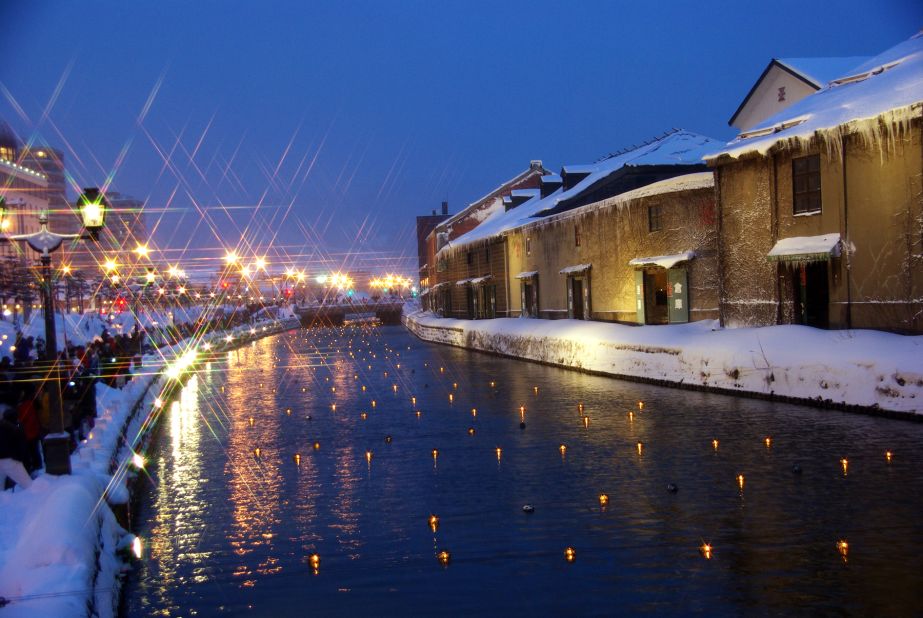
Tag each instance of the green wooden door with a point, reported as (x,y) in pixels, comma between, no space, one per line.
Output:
(639,295)
(678,295)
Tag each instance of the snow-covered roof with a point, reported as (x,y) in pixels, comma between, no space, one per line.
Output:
(480,280)
(819,71)
(524,192)
(527,274)
(664,261)
(577,268)
(534,168)
(547,178)
(890,82)
(806,248)
(678,148)
(440,285)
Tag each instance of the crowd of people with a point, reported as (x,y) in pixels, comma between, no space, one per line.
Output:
(110,359)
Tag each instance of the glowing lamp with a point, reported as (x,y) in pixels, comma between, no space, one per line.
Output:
(888,456)
(444,557)
(435,453)
(768,441)
(288,411)
(843,548)
(640,405)
(492,384)
(368,457)
(136,547)
(471,431)
(257,452)
(374,403)
(297,459)
(317,446)
(394,387)
(570,554)
(640,447)
(562,449)
(714,444)
(363,416)
(845,465)
(706,550)
(158,403)
(314,561)
(740,481)
(586,422)
(137,460)
(603,499)
(455,385)
(499,453)
(250,421)
(580,407)
(451,398)
(442,370)
(631,417)
(418,414)
(413,401)
(535,389)
(92,206)
(434,522)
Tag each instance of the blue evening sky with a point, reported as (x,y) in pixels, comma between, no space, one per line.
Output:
(344,120)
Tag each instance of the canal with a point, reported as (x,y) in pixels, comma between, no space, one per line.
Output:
(363,433)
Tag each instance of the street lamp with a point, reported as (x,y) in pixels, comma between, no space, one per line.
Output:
(92,206)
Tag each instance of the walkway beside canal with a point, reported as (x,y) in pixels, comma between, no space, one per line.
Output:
(59,539)
(870,371)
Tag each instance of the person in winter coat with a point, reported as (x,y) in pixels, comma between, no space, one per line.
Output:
(28,417)
(12,451)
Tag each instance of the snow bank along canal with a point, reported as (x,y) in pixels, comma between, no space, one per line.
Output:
(299,474)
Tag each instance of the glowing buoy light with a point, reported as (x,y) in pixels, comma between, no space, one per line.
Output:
(413,401)
(297,459)
(333,407)
(580,407)
(603,499)
(845,464)
(333,389)
(418,414)
(136,547)
(387,439)
(455,385)
(368,456)
(288,411)
(640,405)
(492,384)
(740,481)
(435,453)
(843,548)
(158,403)
(499,453)
(314,561)
(706,550)
(442,370)
(640,447)
(451,398)
(444,557)
(768,441)
(535,389)
(474,411)
(563,449)
(303,389)
(631,417)
(570,554)
(471,431)
(374,403)
(888,456)
(363,416)
(522,411)
(586,422)
(257,452)
(714,444)
(434,522)
(317,446)
(363,388)
(394,387)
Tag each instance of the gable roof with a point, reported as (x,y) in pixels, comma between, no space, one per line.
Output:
(534,169)
(815,72)
(889,82)
(677,148)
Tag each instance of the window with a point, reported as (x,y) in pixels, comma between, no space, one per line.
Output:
(806,184)
(576,235)
(654,218)
(470,258)
(487,254)
(528,246)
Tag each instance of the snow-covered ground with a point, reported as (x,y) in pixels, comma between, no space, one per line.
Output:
(864,368)
(58,538)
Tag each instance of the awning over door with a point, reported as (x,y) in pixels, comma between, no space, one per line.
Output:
(527,274)
(573,270)
(806,249)
(440,285)
(474,280)
(664,261)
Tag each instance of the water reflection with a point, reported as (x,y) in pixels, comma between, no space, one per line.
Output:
(668,520)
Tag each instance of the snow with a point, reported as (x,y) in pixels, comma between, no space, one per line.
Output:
(822,70)
(480,280)
(58,538)
(889,85)
(854,368)
(664,261)
(578,268)
(806,248)
(526,275)
(678,148)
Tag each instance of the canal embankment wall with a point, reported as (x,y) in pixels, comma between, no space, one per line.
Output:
(61,544)
(859,370)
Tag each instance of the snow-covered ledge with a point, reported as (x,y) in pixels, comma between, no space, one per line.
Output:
(863,369)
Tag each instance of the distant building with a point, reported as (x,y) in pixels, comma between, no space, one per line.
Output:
(786,81)
(425,225)
(62,218)
(125,230)
(25,190)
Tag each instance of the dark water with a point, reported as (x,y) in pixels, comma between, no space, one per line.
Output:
(228,533)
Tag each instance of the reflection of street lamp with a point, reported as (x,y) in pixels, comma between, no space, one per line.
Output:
(92,206)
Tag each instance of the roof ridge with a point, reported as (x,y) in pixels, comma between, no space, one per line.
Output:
(627,149)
